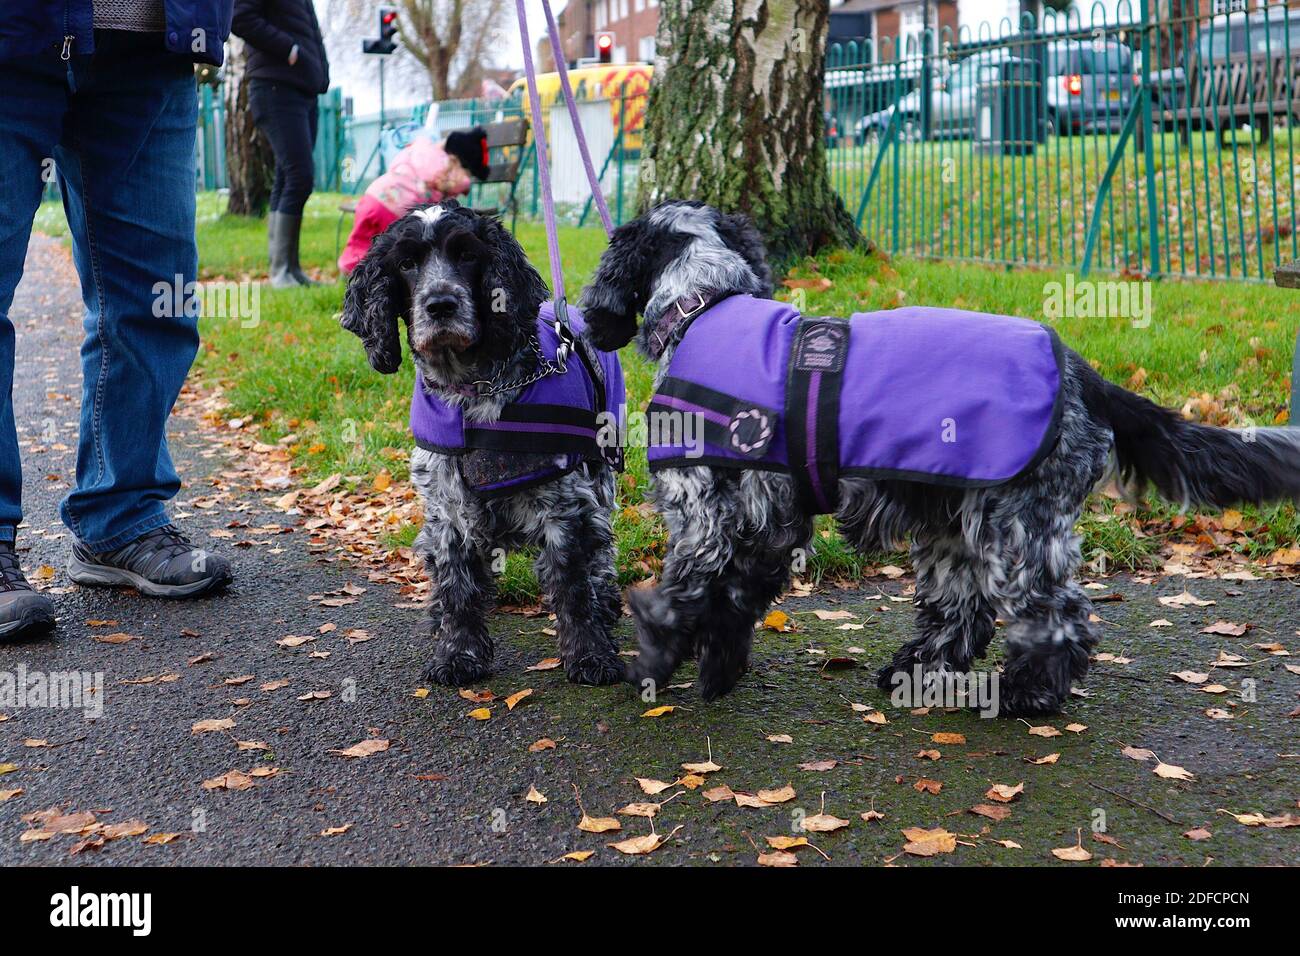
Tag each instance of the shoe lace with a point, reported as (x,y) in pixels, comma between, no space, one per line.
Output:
(11,572)
(167,541)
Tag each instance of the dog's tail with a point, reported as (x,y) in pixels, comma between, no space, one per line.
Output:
(1190,463)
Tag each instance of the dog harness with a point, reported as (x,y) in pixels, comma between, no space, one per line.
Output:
(547,432)
(940,396)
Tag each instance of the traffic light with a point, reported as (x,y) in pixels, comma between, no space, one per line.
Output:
(605,47)
(387,31)
(387,23)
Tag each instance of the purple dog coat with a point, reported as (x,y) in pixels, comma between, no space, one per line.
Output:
(547,432)
(941,396)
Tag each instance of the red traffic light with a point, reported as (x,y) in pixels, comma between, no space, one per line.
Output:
(389,17)
(605,47)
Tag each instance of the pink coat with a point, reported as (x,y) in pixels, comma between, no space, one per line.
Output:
(421,173)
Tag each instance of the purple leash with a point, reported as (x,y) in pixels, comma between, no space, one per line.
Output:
(579,133)
(562,329)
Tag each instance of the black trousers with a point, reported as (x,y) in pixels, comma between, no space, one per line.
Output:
(287,117)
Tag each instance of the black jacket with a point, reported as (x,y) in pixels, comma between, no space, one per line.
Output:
(271,28)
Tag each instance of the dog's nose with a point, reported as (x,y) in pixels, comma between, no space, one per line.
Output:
(440,305)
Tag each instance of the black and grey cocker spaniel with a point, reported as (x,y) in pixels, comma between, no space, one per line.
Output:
(980,436)
(505,428)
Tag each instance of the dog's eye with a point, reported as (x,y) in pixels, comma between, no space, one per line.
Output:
(466,255)
(407,265)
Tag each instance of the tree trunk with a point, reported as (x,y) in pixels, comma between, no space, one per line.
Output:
(250,164)
(736,118)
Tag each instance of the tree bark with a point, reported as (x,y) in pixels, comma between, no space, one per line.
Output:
(250,165)
(736,118)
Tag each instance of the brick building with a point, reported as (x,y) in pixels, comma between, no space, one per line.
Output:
(633,23)
(877,19)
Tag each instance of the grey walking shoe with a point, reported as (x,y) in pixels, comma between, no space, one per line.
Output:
(162,563)
(23,611)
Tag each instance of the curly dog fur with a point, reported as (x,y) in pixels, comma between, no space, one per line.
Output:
(469,299)
(1008,551)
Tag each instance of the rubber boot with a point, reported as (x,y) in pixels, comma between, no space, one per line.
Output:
(281,275)
(290,228)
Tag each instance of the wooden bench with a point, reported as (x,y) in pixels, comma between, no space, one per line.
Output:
(506,141)
(1236,89)
(1288,277)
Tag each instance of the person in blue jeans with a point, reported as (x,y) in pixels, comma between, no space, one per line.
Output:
(106,89)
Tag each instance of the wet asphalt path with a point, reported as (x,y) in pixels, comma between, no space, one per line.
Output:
(450,789)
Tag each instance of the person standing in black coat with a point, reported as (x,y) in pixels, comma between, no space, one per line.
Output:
(287,70)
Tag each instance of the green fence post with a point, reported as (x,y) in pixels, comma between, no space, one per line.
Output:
(1148,135)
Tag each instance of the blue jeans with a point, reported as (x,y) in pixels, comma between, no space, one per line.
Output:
(120,125)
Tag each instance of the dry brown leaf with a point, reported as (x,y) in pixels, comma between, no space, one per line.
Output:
(363,749)
(778,795)
(1226,628)
(926,785)
(822,823)
(719,793)
(545,743)
(1004,793)
(233,780)
(778,621)
(659,711)
(1073,854)
(545,664)
(1171,772)
(922,842)
(598,824)
(1186,599)
(992,811)
(1050,758)
(947,738)
(479,713)
(639,846)
(819,766)
(205,726)
(534,795)
(336,831)
(652,787)
(516,697)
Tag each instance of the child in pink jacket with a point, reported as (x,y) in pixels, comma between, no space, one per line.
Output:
(425,171)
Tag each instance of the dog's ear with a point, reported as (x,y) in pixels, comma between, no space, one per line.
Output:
(509,279)
(619,290)
(376,298)
(738,231)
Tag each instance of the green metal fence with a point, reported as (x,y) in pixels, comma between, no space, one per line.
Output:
(1132,145)
(331,139)
(1129,143)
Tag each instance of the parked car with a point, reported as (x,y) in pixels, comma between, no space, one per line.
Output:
(952,103)
(1089,85)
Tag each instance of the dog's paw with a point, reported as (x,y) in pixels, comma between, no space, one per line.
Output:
(457,669)
(596,669)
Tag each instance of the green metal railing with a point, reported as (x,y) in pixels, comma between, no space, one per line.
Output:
(329,155)
(1134,145)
